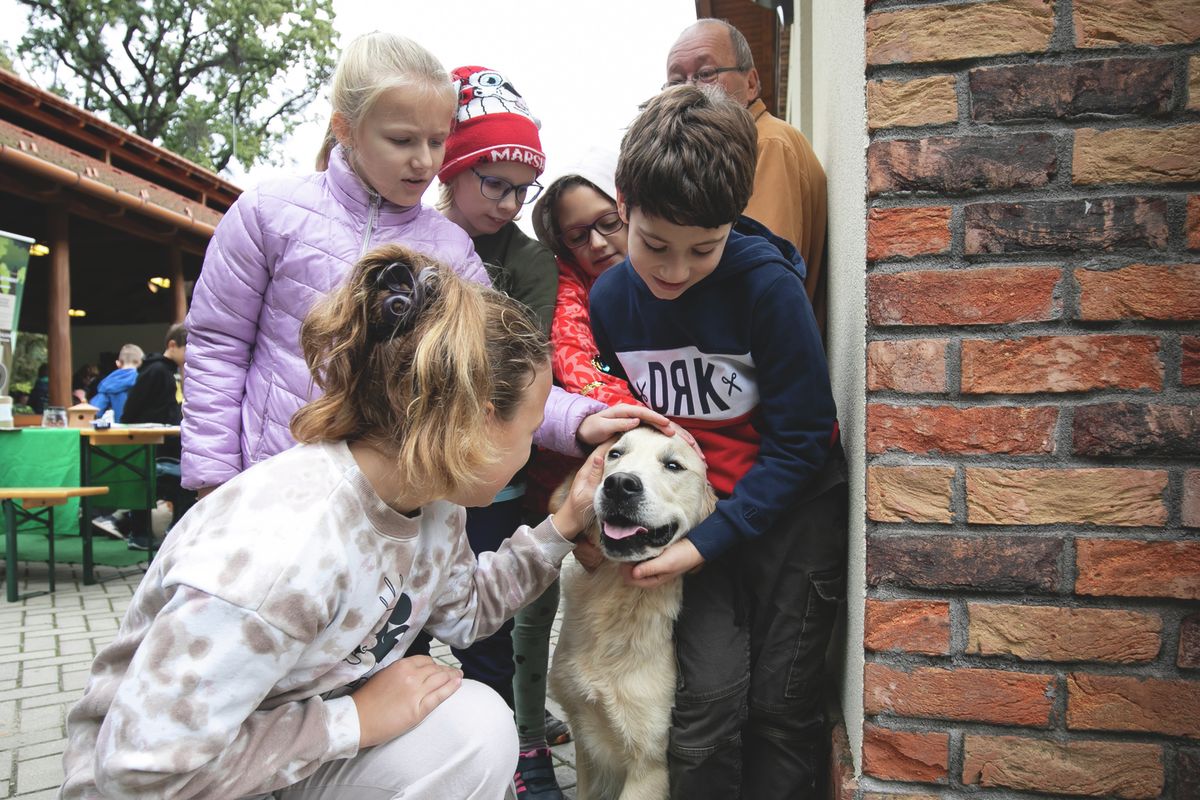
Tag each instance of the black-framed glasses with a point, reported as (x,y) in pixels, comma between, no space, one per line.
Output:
(497,189)
(702,75)
(579,235)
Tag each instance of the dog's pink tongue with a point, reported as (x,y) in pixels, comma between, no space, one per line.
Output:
(622,531)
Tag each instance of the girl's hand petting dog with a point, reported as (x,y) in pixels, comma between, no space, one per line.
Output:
(576,511)
(400,696)
(604,425)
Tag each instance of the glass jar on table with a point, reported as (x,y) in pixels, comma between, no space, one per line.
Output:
(54,417)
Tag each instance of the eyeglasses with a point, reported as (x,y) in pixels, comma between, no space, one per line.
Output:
(497,189)
(702,75)
(579,235)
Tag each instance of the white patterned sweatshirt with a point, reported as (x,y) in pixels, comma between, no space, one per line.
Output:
(269,602)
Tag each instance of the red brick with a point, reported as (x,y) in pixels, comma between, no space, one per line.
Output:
(953,32)
(908,626)
(1142,291)
(1051,633)
(1008,430)
(1126,430)
(956,164)
(892,755)
(1191,499)
(1123,703)
(963,297)
(1077,768)
(923,101)
(843,785)
(1189,642)
(1131,497)
(1026,564)
(1112,87)
(913,366)
(1193,222)
(1129,568)
(912,494)
(907,232)
(1107,23)
(1108,223)
(1189,366)
(979,695)
(1060,364)
(1136,155)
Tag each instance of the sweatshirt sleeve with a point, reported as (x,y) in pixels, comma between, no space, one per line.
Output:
(483,591)
(536,284)
(575,350)
(797,420)
(186,719)
(222,328)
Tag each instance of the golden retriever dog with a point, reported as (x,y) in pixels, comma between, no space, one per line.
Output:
(614,667)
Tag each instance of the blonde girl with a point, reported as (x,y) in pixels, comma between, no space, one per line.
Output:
(290,241)
(263,651)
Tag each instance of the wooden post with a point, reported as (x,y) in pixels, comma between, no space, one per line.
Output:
(178,295)
(58,323)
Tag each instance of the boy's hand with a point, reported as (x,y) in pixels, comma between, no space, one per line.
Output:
(400,696)
(603,425)
(576,511)
(588,555)
(679,558)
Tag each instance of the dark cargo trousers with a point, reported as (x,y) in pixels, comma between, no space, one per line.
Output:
(750,644)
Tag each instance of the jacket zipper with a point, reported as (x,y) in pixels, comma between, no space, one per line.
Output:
(372,212)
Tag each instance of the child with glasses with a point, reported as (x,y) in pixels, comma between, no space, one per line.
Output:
(493,160)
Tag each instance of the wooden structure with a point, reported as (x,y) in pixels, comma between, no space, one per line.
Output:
(114,210)
(761,26)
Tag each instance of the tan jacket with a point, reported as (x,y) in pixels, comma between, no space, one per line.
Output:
(789,196)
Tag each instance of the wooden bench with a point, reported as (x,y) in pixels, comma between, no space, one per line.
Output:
(44,498)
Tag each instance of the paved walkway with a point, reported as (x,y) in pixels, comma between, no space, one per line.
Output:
(46,648)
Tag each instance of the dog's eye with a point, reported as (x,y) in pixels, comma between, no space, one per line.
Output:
(673,466)
(614,453)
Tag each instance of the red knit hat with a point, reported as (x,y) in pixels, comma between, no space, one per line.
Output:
(494,124)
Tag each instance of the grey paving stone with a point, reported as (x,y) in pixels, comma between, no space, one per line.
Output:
(39,773)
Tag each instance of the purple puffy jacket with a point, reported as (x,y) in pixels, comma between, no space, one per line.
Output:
(278,249)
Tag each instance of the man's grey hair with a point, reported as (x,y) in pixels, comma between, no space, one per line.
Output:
(741,48)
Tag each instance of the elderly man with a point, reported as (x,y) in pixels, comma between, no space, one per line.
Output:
(789,184)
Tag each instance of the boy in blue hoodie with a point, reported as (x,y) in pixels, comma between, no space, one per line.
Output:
(113,390)
(709,323)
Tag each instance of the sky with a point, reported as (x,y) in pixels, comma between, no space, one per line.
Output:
(583,68)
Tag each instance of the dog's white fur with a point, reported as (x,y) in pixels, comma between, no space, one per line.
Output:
(614,667)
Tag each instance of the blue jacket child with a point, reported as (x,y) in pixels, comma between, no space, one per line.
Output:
(114,389)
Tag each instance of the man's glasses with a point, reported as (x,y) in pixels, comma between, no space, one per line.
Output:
(702,75)
(579,235)
(497,189)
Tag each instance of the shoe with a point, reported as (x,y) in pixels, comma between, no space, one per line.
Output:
(557,731)
(140,541)
(534,779)
(114,526)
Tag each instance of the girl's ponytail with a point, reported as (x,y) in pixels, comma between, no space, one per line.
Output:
(422,382)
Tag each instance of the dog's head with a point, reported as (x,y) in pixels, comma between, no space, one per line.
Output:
(655,490)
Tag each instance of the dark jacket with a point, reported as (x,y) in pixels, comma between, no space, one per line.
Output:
(153,396)
(736,360)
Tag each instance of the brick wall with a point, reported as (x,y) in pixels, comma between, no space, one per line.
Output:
(1033,370)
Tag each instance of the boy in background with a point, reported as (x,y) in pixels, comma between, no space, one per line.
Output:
(711,326)
(114,388)
(156,396)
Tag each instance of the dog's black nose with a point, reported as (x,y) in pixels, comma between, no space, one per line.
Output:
(622,484)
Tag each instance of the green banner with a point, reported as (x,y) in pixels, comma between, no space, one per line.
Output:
(14,259)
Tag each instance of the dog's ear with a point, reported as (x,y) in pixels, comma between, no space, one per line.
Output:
(559,495)
(709,503)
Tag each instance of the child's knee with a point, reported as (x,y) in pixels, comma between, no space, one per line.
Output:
(486,733)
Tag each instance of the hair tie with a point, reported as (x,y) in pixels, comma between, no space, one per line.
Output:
(406,297)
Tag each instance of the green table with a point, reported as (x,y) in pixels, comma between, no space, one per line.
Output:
(52,457)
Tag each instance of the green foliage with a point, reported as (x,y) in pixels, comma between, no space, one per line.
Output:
(6,57)
(32,350)
(212,80)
